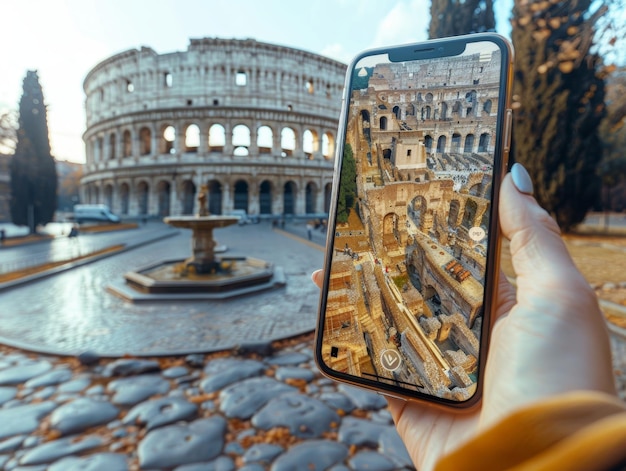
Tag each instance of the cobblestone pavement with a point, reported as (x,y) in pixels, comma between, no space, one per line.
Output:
(72,312)
(265,408)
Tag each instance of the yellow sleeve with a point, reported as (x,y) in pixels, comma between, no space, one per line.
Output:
(582,431)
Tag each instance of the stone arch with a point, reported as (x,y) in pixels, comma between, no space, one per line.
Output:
(453,214)
(108,195)
(192,138)
(444,111)
(215,197)
(328,145)
(189,196)
(112,142)
(310,143)
(328,191)
(396,112)
(469,143)
(163,198)
(265,139)
(124,197)
(167,139)
(311,198)
(410,109)
(469,213)
(265,197)
(483,142)
(143,197)
(441,144)
(487,107)
(429,97)
(382,123)
(290,196)
(241,195)
(426,110)
(241,140)
(428,142)
(287,141)
(127,147)
(145,141)
(217,138)
(390,227)
(417,209)
(456,143)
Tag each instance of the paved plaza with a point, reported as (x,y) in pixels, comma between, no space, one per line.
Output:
(73,312)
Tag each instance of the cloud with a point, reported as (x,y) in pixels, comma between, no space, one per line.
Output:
(407,22)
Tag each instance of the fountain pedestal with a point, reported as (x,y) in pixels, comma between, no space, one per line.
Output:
(203,275)
(203,260)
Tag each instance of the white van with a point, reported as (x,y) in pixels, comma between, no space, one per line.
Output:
(94,212)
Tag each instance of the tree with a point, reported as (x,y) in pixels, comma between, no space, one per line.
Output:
(347,185)
(612,168)
(7,132)
(456,17)
(559,103)
(32,167)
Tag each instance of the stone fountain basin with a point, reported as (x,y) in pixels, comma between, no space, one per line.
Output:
(201,222)
(162,277)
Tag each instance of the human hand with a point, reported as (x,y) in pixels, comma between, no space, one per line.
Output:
(548,338)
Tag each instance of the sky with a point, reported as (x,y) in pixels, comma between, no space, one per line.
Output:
(64,39)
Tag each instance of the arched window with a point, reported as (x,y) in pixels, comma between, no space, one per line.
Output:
(241,195)
(127,149)
(487,107)
(428,143)
(217,138)
(168,136)
(192,138)
(145,141)
(328,145)
(444,111)
(112,146)
(441,144)
(383,123)
(311,197)
(215,197)
(265,197)
(142,197)
(289,198)
(469,143)
(483,142)
(241,140)
(309,143)
(287,141)
(456,142)
(265,139)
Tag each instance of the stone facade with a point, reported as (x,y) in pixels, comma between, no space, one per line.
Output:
(255,122)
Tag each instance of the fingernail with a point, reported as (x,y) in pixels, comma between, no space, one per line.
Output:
(521,179)
(315,275)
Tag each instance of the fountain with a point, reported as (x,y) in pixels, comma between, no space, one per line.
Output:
(204,275)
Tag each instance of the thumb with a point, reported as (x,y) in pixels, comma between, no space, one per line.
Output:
(536,245)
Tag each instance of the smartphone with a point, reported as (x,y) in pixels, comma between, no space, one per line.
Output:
(413,251)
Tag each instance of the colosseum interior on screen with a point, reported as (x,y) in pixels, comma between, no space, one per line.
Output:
(255,122)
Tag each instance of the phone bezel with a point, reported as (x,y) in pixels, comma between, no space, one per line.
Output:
(421,51)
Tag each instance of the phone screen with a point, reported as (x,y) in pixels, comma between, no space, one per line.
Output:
(409,262)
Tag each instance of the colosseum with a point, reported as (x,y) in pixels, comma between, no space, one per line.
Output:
(254,122)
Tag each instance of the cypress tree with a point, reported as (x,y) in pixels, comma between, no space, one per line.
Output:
(32,167)
(456,17)
(559,103)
